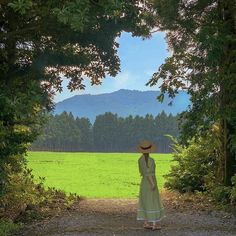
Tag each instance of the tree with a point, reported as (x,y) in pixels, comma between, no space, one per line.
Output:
(41,41)
(161,131)
(105,132)
(201,36)
(61,133)
(86,135)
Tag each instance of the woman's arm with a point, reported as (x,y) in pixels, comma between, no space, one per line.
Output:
(152,181)
(140,167)
(151,177)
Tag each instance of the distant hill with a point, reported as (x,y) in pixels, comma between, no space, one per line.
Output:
(122,102)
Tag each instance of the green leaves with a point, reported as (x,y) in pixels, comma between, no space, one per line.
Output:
(160,97)
(41,41)
(82,14)
(192,165)
(75,13)
(200,37)
(21,6)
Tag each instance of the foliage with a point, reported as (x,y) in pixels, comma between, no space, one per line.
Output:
(21,116)
(233,190)
(20,192)
(198,167)
(61,133)
(24,196)
(7,227)
(109,133)
(74,39)
(43,42)
(201,37)
(220,193)
(192,165)
(95,175)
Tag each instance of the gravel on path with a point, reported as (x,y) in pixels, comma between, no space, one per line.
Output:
(117,217)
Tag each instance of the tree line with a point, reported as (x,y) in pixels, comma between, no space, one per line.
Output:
(109,133)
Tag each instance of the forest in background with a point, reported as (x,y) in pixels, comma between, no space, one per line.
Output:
(109,133)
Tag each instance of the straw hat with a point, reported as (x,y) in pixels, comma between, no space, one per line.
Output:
(146,147)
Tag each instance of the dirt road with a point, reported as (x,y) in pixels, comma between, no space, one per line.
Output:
(115,217)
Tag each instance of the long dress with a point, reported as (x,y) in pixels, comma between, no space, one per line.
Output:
(150,207)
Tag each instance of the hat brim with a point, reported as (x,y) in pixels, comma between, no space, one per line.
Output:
(151,149)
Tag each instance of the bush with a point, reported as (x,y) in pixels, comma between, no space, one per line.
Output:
(20,191)
(24,197)
(192,165)
(221,194)
(198,167)
(7,227)
(233,191)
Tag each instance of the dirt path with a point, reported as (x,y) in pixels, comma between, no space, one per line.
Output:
(118,217)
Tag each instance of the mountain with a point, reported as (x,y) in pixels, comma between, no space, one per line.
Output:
(122,102)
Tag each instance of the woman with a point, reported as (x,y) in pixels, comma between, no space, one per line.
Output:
(150,208)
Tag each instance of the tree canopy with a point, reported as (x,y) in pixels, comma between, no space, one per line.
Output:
(201,37)
(42,41)
(75,39)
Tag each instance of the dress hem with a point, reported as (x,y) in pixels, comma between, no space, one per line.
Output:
(152,221)
(152,211)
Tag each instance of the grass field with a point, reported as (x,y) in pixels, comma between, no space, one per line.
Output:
(95,175)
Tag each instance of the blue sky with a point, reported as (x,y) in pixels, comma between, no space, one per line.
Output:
(139,59)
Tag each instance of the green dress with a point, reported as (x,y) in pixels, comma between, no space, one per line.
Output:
(150,207)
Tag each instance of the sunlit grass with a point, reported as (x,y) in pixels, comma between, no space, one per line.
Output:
(95,175)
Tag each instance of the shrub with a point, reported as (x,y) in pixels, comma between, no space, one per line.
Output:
(24,197)
(233,191)
(7,227)
(198,167)
(192,165)
(221,194)
(20,191)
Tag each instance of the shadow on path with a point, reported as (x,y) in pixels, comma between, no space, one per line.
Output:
(115,217)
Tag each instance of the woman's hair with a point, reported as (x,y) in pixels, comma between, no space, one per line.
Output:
(146,160)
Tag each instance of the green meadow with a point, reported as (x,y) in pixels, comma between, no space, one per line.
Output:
(95,175)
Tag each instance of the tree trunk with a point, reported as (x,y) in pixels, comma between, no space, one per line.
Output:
(226,16)
(229,155)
